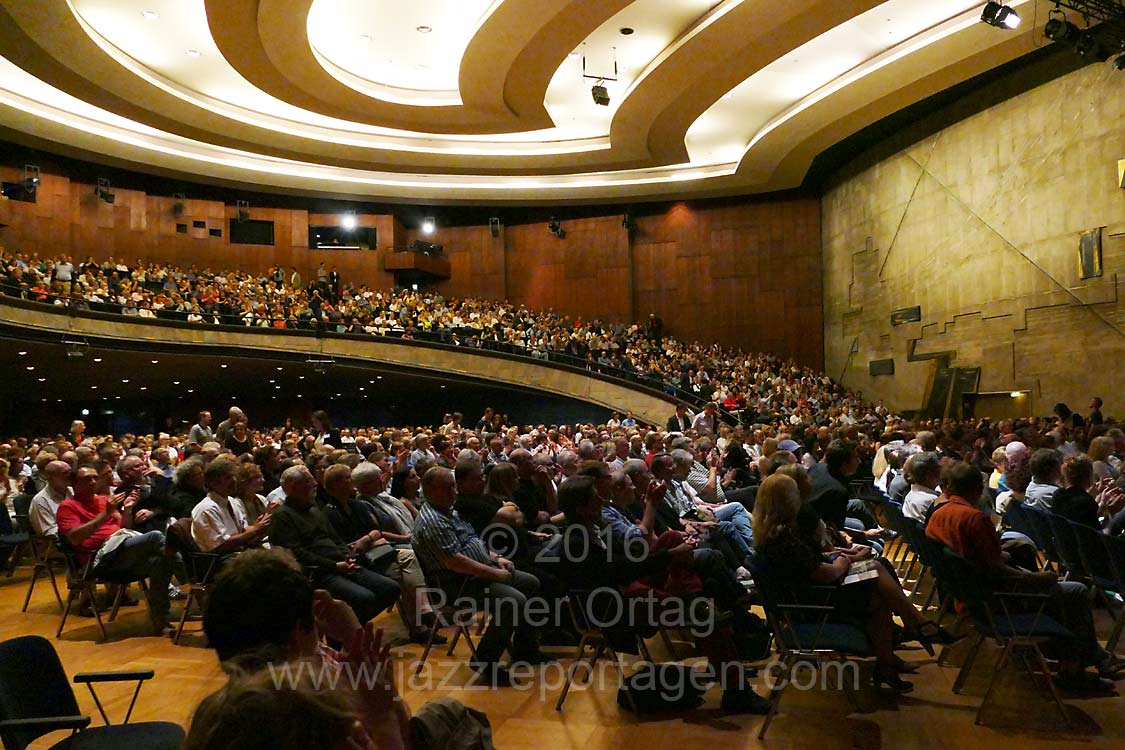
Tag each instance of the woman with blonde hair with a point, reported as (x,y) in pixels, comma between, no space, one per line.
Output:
(249,484)
(795,562)
(1101,448)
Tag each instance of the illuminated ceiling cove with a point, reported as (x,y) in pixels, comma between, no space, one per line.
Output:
(483,100)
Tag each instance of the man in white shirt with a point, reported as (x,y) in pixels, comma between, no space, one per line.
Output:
(218,522)
(924,472)
(706,422)
(46,502)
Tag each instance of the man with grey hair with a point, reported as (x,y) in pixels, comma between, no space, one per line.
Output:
(687,498)
(923,470)
(567,461)
(301,527)
(46,502)
(587,451)
(226,427)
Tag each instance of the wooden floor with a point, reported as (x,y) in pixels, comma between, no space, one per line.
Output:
(1019,715)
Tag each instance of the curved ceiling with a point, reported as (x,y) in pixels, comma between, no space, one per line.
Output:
(482,100)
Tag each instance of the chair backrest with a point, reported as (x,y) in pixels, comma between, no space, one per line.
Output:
(21,506)
(1066,543)
(1097,558)
(1015,518)
(963,580)
(896,521)
(1044,536)
(179,536)
(32,685)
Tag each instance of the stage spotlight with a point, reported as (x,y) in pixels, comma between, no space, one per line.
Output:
(1089,46)
(600,94)
(428,225)
(1058,29)
(555,228)
(348,221)
(1000,16)
(103,192)
(494,226)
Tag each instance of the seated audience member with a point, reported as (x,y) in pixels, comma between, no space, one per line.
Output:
(219,523)
(679,512)
(45,504)
(393,517)
(88,521)
(405,484)
(495,519)
(924,472)
(248,485)
(1075,502)
(959,525)
(535,492)
(586,562)
(832,499)
(999,461)
(455,559)
(354,522)
(1046,465)
(732,513)
(1101,453)
(265,612)
(186,491)
(300,526)
(795,563)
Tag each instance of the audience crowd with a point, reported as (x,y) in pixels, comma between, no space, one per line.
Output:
(319,529)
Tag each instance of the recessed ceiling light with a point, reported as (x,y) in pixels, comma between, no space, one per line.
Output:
(30,368)
(273,381)
(42,380)
(125,380)
(44,399)
(93,388)
(223,366)
(361,387)
(144,387)
(380,377)
(280,369)
(117,397)
(97,359)
(23,354)
(175,382)
(156,361)
(423,29)
(300,377)
(150,15)
(191,390)
(194,53)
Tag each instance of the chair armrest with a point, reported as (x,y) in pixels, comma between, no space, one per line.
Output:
(1020,595)
(808,607)
(46,723)
(139,674)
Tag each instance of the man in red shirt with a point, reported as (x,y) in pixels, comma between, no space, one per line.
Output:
(959,525)
(87,520)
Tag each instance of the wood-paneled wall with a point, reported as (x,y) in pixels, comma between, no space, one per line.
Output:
(744,273)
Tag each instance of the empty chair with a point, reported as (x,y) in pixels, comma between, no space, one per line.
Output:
(35,699)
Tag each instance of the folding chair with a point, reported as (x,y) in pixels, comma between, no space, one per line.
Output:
(46,558)
(598,641)
(80,580)
(1066,544)
(36,699)
(995,616)
(449,616)
(804,633)
(11,538)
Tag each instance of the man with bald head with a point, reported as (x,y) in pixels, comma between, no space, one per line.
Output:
(46,502)
(226,427)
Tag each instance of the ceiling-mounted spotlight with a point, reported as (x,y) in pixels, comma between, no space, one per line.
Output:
(600,94)
(429,224)
(1089,46)
(1058,29)
(76,348)
(1000,16)
(555,228)
(494,226)
(349,221)
(103,192)
(179,203)
(242,210)
(30,178)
